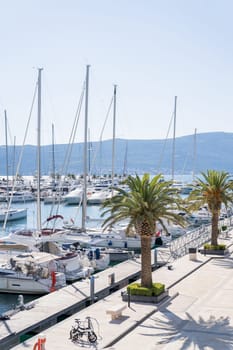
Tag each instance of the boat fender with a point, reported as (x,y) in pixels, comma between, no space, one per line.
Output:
(53,277)
(90,254)
(97,253)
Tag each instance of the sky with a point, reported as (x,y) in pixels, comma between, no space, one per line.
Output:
(153,50)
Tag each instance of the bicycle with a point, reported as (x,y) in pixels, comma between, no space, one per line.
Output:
(82,328)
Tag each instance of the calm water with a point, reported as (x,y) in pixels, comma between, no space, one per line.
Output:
(69,212)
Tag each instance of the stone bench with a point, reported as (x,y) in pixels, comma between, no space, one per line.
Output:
(116,311)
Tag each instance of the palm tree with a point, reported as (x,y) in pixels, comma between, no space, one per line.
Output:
(213,189)
(143,204)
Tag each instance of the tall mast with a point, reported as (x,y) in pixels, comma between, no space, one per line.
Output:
(39,150)
(114,135)
(194,152)
(53,157)
(13,162)
(7,175)
(89,155)
(84,201)
(6,138)
(125,160)
(174,141)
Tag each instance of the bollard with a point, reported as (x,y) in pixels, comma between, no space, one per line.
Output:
(92,289)
(111,278)
(40,344)
(155,257)
(128,294)
(20,305)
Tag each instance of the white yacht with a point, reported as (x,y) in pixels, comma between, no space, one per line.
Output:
(17,196)
(12,214)
(98,197)
(30,273)
(74,264)
(113,239)
(74,196)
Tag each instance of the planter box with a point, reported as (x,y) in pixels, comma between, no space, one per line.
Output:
(143,298)
(220,252)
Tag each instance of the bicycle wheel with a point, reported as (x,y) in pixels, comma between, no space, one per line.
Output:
(74,335)
(92,337)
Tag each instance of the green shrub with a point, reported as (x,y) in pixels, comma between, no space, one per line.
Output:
(208,246)
(224,228)
(136,289)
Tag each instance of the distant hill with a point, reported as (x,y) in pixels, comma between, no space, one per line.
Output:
(212,151)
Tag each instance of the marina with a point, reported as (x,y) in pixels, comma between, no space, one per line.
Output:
(116,182)
(75,213)
(61,231)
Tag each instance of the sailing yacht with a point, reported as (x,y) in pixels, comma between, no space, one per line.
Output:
(7,213)
(12,214)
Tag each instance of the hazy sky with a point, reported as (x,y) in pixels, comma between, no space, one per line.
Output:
(152,49)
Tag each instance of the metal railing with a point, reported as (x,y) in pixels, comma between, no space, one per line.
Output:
(193,239)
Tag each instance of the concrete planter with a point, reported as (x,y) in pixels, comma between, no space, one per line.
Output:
(220,252)
(145,299)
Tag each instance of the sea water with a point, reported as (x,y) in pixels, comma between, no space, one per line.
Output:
(69,213)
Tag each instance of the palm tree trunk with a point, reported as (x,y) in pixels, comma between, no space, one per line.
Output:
(214,236)
(146,272)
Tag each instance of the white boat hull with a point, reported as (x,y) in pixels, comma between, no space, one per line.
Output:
(20,284)
(128,243)
(13,214)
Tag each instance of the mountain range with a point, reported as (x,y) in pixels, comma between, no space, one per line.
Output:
(186,155)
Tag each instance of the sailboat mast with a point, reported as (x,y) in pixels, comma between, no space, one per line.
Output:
(7,165)
(53,158)
(114,134)
(39,150)
(194,152)
(174,141)
(13,162)
(84,201)
(125,160)
(89,155)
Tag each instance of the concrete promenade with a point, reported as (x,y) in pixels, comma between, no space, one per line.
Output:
(199,314)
